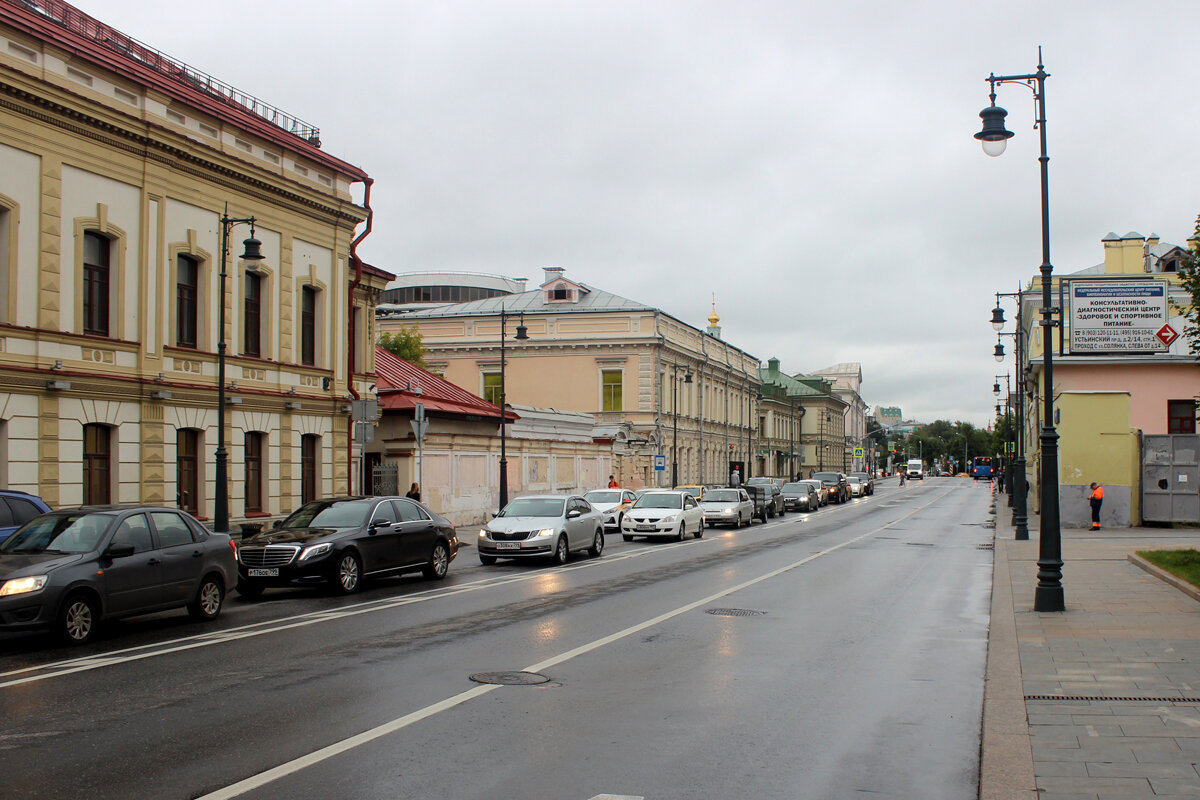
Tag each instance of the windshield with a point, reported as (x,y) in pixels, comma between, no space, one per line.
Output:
(722,496)
(534,507)
(830,477)
(853,479)
(663,500)
(331,514)
(59,533)
(603,496)
(757,481)
(795,488)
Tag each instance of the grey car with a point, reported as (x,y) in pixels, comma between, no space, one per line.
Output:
(727,507)
(801,495)
(69,570)
(546,525)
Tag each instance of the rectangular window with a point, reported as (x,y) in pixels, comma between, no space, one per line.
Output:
(610,390)
(254,473)
(187,476)
(1181,416)
(252,316)
(97,465)
(491,387)
(186,282)
(308,326)
(95,283)
(310,445)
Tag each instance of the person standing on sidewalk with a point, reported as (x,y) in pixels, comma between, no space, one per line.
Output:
(1096,500)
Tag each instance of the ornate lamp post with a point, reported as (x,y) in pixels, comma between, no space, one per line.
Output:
(687,378)
(521,335)
(253,254)
(1049,594)
(1019,493)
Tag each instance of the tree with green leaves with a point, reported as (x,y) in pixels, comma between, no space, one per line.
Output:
(1189,276)
(404,343)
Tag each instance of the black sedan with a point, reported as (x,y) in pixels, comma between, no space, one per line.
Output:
(344,540)
(67,570)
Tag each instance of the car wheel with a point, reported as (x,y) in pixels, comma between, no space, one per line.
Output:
(487,561)
(439,563)
(700,529)
(597,544)
(78,619)
(682,531)
(348,576)
(560,551)
(250,591)
(627,537)
(209,597)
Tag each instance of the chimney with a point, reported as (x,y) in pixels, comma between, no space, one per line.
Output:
(553,274)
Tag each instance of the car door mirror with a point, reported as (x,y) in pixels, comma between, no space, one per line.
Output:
(574,513)
(380,523)
(277,524)
(120,550)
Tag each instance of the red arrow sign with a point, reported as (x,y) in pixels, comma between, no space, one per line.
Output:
(1166,334)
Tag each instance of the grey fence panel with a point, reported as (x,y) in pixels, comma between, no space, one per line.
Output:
(1170,474)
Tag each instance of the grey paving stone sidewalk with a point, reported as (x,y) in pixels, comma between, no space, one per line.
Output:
(1111,685)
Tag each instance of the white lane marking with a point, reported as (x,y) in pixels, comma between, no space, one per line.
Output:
(127,655)
(337,748)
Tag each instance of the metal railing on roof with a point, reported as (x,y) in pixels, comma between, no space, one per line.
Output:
(75,20)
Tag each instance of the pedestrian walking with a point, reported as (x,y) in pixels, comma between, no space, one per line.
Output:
(414,492)
(735,477)
(903,476)
(1096,500)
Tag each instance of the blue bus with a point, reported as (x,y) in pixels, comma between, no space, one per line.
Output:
(981,467)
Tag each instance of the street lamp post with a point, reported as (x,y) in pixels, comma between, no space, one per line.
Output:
(253,254)
(1020,490)
(687,378)
(521,335)
(1049,593)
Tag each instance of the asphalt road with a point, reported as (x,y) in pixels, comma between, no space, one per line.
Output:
(826,655)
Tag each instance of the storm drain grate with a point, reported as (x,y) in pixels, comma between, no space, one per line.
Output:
(1111,699)
(510,678)
(734,612)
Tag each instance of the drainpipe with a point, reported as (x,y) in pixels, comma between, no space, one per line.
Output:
(356,262)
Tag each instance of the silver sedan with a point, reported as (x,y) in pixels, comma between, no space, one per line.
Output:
(727,507)
(552,525)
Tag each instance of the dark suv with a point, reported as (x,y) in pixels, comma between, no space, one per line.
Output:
(835,482)
(17,508)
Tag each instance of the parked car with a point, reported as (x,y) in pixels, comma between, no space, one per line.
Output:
(17,508)
(694,489)
(664,513)
(70,570)
(866,478)
(776,505)
(343,541)
(835,482)
(821,489)
(801,496)
(727,507)
(553,525)
(856,486)
(612,504)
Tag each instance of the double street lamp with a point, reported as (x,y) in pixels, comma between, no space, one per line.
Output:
(687,378)
(1019,490)
(252,254)
(522,334)
(994,137)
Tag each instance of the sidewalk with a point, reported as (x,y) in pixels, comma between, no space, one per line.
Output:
(1101,701)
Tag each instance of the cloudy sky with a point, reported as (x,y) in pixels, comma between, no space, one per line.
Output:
(811,164)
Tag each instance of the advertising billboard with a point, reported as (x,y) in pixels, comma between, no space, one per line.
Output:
(1112,317)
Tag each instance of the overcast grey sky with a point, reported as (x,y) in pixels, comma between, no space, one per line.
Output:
(810,163)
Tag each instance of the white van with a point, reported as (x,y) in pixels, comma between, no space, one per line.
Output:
(915,470)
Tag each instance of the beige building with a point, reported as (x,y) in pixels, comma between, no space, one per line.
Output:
(847,382)
(800,424)
(118,163)
(624,362)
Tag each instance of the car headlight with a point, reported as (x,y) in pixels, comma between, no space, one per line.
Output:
(33,583)
(728,510)
(668,518)
(484,533)
(314,551)
(544,532)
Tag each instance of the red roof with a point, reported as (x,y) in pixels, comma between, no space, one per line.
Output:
(394,377)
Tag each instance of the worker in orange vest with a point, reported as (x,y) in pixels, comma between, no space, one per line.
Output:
(1096,499)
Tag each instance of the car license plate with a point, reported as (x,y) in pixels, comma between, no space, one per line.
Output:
(508,545)
(647,527)
(273,572)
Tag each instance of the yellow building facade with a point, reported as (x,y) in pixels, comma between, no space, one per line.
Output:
(116,166)
(655,385)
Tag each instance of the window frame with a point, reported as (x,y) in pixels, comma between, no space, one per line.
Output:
(492,392)
(612,394)
(183,459)
(308,325)
(1180,421)
(309,461)
(97,464)
(187,302)
(254,446)
(252,314)
(97,285)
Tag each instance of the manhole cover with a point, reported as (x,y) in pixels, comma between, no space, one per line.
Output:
(510,678)
(734,612)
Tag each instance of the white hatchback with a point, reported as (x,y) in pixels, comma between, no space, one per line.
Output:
(664,513)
